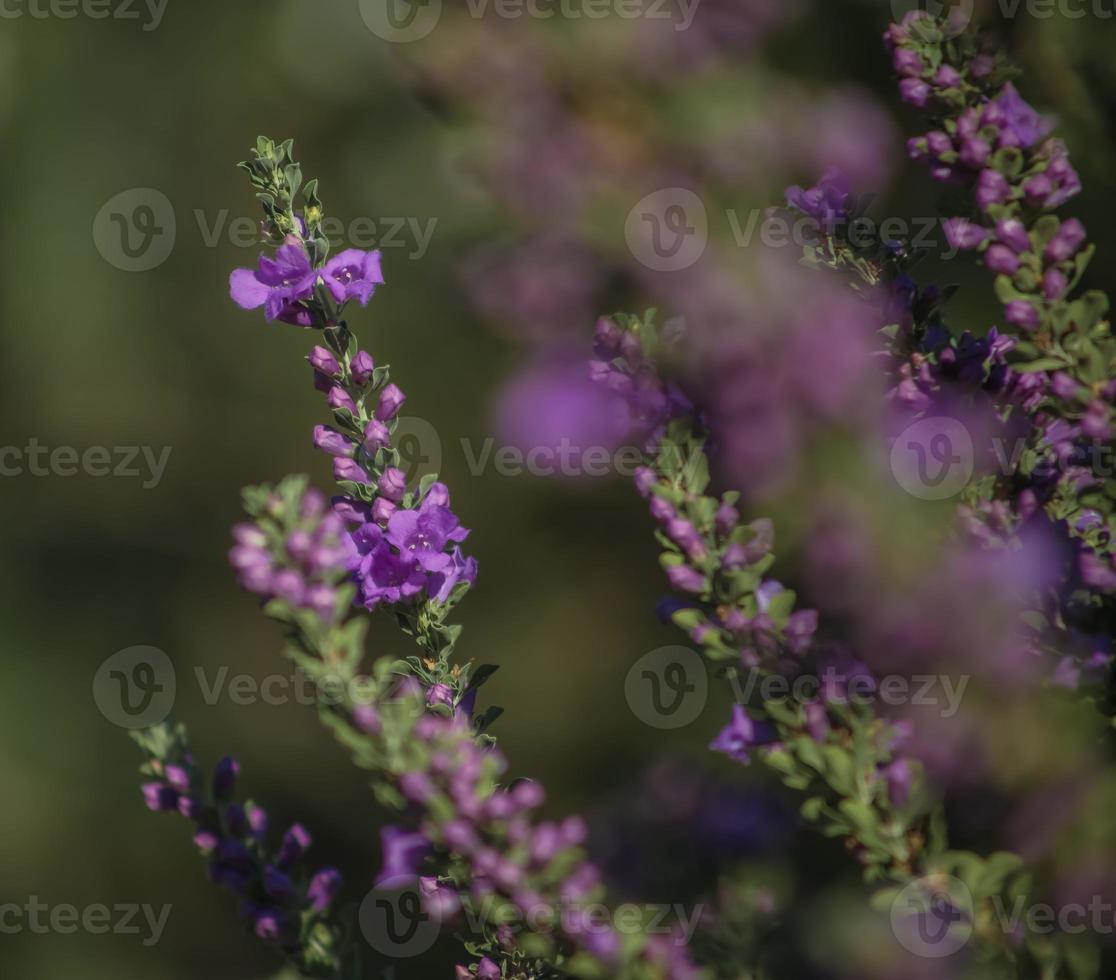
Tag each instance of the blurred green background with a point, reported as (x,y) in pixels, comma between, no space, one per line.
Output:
(95,356)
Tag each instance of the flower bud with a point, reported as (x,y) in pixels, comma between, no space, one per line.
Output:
(225,775)
(393,484)
(376,436)
(1002,260)
(1022,315)
(322,360)
(347,469)
(391,400)
(1054,284)
(330,441)
(338,398)
(362,367)
(382,510)
(323,889)
(1013,233)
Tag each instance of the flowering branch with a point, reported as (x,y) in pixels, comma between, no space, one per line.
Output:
(849,763)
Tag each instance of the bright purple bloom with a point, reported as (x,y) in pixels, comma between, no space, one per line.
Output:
(278,285)
(423,534)
(385,576)
(459,569)
(353,275)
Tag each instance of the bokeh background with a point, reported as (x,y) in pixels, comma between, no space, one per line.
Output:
(93,355)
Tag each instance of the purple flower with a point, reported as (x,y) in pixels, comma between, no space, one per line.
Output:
(974,152)
(422,534)
(915,92)
(403,852)
(322,360)
(391,400)
(278,885)
(353,275)
(376,436)
(1013,233)
(992,188)
(1023,315)
(1054,284)
(385,576)
(159,797)
(278,285)
(686,579)
(224,777)
(825,203)
(1065,244)
(964,235)
(1020,125)
(440,694)
(330,441)
(393,484)
(460,569)
(741,735)
(347,469)
(338,398)
(362,367)
(1002,260)
(294,845)
(907,62)
(323,889)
